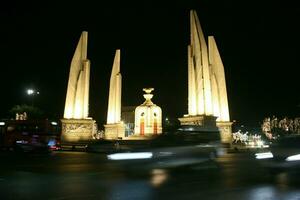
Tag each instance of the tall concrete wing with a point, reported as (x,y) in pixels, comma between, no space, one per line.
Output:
(76,106)
(76,125)
(86,89)
(207,95)
(196,68)
(220,102)
(199,56)
(114,101)
(192,101)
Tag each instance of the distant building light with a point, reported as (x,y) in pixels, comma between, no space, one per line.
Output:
(2,123)
(54,123)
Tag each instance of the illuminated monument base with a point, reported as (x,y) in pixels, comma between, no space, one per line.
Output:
(226,131)
(208,123)
(114,131)
(78,130)
(204,121)
(138,137)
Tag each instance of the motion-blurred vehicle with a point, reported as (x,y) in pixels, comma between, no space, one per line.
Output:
(283,154)
(30,135)
(182,148)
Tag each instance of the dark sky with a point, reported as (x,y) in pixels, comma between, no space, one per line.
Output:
(258,42)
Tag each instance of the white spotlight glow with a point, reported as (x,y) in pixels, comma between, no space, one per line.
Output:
(130,156)
(264,155)
(293,158)
(30,91)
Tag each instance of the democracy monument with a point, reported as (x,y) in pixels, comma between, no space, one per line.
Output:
(76,125)
(207,96)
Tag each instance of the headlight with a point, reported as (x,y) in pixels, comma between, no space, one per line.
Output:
(264,155)
(130,156)
(293,158)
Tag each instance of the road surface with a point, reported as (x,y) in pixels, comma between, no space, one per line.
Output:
(81,175)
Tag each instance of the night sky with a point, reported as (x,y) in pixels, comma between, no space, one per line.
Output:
(258,42)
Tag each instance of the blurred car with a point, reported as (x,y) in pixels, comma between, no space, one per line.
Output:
(172,150)
(283,154)
(54,144)
(34,144)
(31,145)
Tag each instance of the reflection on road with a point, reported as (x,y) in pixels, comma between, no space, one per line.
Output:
(159,176)
(66,175)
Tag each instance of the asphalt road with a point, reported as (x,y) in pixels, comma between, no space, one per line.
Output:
(80,175)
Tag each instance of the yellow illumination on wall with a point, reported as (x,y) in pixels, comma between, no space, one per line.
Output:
(76,106)
(115,87)
(148,116)
(206,76)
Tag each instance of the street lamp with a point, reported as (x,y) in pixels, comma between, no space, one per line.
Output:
(32,92)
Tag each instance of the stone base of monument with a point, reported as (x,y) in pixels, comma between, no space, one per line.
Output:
(226,131)
(78,130)
(114,131)
(205,121)
(141,137)
(208,123)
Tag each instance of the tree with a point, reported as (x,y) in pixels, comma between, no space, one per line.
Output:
(32,111)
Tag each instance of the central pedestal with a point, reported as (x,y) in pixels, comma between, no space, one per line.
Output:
(114,131)
(209,123)
(226,131)
(78,130)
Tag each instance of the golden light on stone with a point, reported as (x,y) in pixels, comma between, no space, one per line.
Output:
(115,128)
(207,95)
(148,116)
(76,125)
(219,92)
(77,100)
(207,87)
(159,176)
(115,86)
